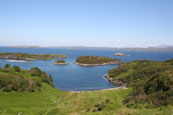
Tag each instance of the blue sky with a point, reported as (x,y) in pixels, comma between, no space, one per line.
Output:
(110,23)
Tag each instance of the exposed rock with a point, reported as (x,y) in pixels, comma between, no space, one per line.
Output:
(120,54)
(115,82)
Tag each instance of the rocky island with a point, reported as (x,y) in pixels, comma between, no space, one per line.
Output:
(30,57)
(96,61)
(120,54)
(60,62)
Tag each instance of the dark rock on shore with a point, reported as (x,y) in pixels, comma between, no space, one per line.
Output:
(115,82)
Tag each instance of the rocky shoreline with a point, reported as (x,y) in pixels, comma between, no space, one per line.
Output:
(110,63)
(120,54)
(30,57)
(115,82)
(60,63)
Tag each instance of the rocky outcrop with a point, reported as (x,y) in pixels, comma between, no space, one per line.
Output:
(120,54)
(115,82)
(60,63)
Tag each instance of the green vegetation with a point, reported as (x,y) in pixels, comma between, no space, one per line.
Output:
(7,66)
(16,79)
(152,82)
(41,98)
(60,62)
(97,60)
(51,101)
(25,56)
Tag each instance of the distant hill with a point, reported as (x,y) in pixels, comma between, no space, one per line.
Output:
(161,48)
(149,49)
(164,46)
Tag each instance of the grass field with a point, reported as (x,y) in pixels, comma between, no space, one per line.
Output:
(51,101)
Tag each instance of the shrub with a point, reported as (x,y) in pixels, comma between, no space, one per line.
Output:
(16,68)
(7,66)
(107,101)
(36,72)
(100,107)
(95,110)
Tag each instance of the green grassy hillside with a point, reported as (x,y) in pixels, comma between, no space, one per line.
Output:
(50,101)
(152,82)
(16,79)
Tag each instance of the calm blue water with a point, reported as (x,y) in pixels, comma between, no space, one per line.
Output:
(72,77)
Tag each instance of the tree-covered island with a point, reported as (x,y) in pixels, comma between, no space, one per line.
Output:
(26,56)
(96,60)
(60,62)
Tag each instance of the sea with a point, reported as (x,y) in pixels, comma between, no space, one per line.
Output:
(73,77)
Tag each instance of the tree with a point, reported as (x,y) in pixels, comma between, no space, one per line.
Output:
(7,66)
(16,68)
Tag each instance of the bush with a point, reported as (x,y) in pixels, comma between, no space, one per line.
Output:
(7,66)
(95,110)
(107,101)
(36,72)
(16,68)
(100,107)
(11,82)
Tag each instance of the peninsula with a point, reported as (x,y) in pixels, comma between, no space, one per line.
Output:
(152,81)
(30,57)
(60,62)
(96,61)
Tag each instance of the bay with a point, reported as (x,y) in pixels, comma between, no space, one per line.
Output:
(72,77)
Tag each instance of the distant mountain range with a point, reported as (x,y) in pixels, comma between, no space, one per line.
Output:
(161,48)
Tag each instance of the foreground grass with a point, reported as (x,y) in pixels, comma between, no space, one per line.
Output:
(26,102)
(51,101)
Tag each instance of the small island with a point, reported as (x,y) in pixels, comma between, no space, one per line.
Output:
(120,54)
(30,57)
(60,62)
(96,61)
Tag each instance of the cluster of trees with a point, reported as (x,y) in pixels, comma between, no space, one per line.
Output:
(60,61)
(95,60)
(151,82)
(16,79)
